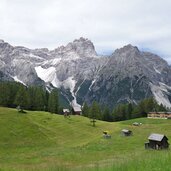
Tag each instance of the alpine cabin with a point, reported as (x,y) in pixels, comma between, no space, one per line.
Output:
(157,141)
(126,132)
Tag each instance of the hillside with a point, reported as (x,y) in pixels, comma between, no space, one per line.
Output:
(44,141)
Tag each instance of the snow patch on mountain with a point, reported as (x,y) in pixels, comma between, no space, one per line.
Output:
(70,83)
(92,84)
(52,61)
(160,93)
(49,75)
(18,80)
(46,74)
(157,71)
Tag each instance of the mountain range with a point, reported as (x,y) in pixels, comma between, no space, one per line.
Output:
(81,75)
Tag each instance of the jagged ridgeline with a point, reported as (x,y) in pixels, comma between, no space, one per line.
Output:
(81,75)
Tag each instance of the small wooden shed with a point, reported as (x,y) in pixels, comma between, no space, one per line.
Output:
(136,124)
(76,110)
(106,134)
(157,141)
(66,112)
(126,132)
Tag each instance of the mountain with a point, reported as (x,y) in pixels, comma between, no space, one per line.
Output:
(127,75)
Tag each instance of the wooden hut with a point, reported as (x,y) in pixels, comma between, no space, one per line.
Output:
(136,124)
(66,112)
(126,132)
(157,141)
(76,110)
(106,134)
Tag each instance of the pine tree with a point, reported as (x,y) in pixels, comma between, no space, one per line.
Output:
(106,115)
(95,111)
(161,108)
(39,98)
(119,112)
(129,109)
(13,89)
(85,110)
(31,98)
(4,94)
(21,98)
(53,102)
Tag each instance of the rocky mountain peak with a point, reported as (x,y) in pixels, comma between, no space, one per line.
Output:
(127,49)
(81,47)
(126,54)
(81,39)
(1,41)
(84,47)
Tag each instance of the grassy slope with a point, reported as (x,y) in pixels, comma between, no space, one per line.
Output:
(43,141)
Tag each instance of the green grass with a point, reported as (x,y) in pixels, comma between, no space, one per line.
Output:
(44,141)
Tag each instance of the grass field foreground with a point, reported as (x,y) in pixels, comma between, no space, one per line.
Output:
(44,141)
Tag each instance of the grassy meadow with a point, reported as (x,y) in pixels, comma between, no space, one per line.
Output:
(44,141)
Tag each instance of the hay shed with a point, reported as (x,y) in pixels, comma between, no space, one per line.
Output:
(126,132)
(157,141)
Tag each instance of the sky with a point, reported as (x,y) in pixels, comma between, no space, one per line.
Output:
(109,24)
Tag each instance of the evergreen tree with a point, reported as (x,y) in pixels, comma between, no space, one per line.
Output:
(53,102)
(106,115)
(95,111)
(161,108)
(4,94)
(85,110)
(135,112)
(129,109)
(21,98)
(149,104)
(31,98)
(119,112)
(13,89)
(39,98)
(141,109)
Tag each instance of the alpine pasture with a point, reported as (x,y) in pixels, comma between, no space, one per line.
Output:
(45,141)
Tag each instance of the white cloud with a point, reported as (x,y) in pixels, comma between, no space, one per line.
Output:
(110,24)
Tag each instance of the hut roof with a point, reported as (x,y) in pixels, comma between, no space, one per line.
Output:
(105,132)
(66,110)
(136,124)
(77,108)
(160,112)
(126,131)
(156,137)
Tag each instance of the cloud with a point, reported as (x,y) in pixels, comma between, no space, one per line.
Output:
(110,24)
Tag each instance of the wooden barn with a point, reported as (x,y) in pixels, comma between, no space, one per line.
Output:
(76,110)
(157,141)
(161,115)
(126,132)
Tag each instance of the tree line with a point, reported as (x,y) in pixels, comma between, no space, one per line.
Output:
(122,111)
(13,94)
